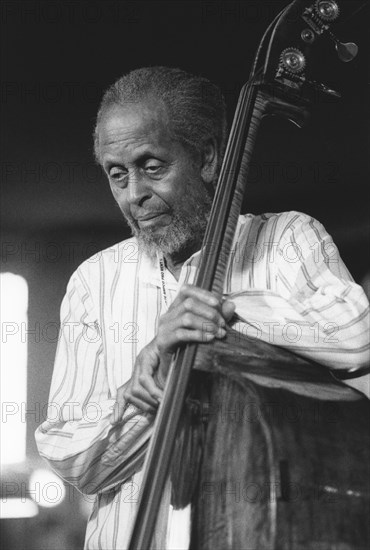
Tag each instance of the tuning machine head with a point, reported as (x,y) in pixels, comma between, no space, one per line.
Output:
(293,61)
(318,17)
(327,10)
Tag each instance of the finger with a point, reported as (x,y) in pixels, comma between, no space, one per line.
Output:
(201,331)
(200,309)
(150,386)
(140,383)
(161,373)
(118,410)
(201,336)
(133,396)
(192,321)
(227,309)
(139,391)
(199,294)
(186,312)
(143,385)
(144,406)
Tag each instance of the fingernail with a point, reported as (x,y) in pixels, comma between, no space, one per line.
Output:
(221,333)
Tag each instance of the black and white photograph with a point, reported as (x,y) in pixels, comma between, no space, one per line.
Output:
(185,275)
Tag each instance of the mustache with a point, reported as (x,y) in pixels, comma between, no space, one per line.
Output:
(149,215)
(141,213)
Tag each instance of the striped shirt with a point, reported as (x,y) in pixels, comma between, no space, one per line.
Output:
(290,288)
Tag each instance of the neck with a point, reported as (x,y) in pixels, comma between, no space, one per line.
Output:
(175,269)
(174,262)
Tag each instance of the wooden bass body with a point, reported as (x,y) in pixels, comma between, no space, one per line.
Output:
(285,452)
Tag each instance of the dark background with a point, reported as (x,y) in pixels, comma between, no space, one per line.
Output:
(58,57)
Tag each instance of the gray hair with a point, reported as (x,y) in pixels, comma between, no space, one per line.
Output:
(196,108)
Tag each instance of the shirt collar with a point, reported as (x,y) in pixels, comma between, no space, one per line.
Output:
(149,271)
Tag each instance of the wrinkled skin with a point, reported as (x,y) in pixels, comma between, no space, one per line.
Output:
(160,188)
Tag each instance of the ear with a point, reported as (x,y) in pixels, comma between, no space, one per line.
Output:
(209,161)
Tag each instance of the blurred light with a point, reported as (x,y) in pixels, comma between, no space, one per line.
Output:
(179,531)
(13,372)
(46,488)
(18,508)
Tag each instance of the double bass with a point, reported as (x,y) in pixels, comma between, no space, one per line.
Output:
(291,472)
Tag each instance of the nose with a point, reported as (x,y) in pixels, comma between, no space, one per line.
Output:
(137,189)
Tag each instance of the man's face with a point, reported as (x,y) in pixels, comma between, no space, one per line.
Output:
(156,182)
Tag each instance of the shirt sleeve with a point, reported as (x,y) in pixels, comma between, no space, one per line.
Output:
(77,438)
(315,308)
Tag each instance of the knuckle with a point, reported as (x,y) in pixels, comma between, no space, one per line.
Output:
(198,336)
(215,316)
(134,394)
(163,318)
(184,289)
(189,304)
(180,334)
(162,343)
(208,329)
(161,339)
(187,319)
(127,397)
(141,378)
(141,355)
(139,369)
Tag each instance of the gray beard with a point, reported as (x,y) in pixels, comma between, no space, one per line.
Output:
(185,232)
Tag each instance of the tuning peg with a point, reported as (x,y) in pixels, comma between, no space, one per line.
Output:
(346,52)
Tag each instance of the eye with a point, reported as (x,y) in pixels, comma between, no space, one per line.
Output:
(117,174)
(153,166)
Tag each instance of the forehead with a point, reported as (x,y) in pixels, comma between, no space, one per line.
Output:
(132,126)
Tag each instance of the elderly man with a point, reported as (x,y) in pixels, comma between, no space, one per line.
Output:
(159,137)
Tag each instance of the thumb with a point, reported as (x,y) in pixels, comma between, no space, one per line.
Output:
(228,309)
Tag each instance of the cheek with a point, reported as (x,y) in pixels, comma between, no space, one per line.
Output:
(119,196)
(176,187)
(116,193)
